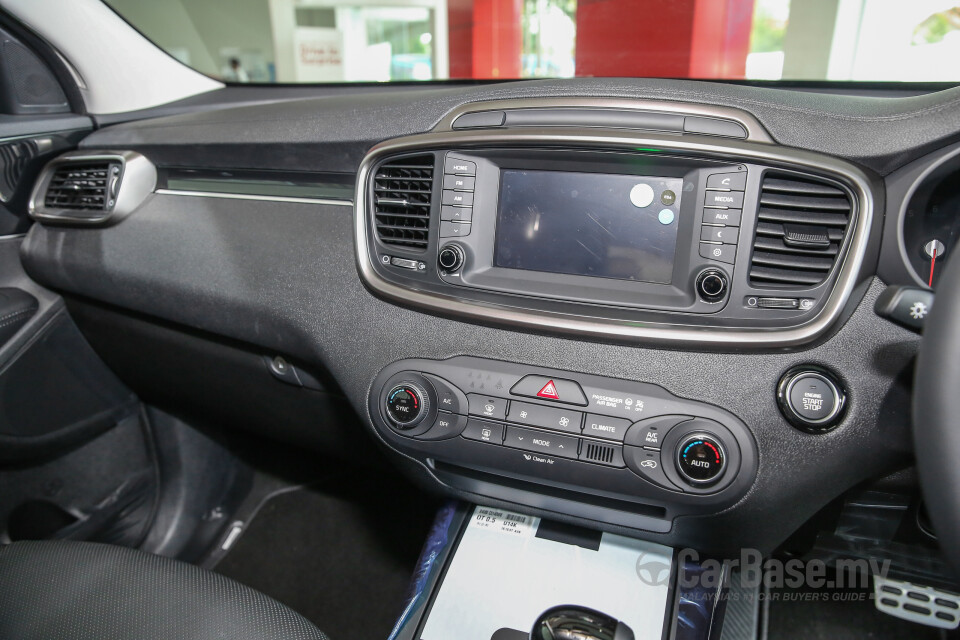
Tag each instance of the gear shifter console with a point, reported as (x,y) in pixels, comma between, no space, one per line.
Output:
(536,436)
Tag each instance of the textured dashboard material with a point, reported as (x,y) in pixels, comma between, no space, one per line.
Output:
(283,276)
(331,133)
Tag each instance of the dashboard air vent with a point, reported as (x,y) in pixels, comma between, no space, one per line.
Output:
(800,228)
(83,186)
(401,193)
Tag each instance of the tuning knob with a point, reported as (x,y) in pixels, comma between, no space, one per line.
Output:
(712,285)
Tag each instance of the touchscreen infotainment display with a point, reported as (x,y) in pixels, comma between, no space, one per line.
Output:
(588,224)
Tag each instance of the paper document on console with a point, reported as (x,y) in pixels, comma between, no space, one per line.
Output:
(509,568)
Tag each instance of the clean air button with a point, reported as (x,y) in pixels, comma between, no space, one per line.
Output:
(641,195)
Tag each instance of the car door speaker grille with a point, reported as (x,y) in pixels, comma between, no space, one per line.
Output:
(402,195)
(801,224)
(80,186)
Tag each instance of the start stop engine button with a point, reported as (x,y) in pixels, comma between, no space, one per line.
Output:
(811,398)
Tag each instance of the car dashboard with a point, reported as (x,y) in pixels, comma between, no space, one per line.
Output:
(641,305)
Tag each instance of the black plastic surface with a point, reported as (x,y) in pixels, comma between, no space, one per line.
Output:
(875,130)
(56,394)
(16,309)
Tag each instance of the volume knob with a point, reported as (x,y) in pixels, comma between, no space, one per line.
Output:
(450,257)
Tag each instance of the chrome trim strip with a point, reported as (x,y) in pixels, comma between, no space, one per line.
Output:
(755,130)
(859,182)
(250,196)
(138,178)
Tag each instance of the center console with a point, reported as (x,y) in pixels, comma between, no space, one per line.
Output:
(620,234)
(610,450)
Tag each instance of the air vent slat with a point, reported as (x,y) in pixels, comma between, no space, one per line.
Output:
(403,193)
(802,222)
(81,186)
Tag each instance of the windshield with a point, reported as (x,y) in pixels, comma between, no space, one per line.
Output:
(333,41)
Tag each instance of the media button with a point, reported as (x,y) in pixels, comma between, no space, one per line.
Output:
(729,199)
(732,181)
(457,198)
(726,235)
(729,217)
(542,442)
(719,252)
(546,417)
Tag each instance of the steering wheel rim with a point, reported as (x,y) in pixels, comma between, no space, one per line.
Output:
(936,413)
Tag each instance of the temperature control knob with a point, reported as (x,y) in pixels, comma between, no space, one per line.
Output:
(700,459)
(407,404)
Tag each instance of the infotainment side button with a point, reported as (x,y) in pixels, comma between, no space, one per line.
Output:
(566,391)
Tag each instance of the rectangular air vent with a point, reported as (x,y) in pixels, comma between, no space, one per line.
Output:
(83,186)
(401,198)
(801,225)
(598,452)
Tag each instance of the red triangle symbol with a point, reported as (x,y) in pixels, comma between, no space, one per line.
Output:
(549,391)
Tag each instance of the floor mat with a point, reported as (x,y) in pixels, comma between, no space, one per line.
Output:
(339,553)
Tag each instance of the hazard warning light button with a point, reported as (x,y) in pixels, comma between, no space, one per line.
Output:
(554,389)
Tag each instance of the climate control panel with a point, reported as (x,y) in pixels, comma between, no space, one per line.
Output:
(517,426)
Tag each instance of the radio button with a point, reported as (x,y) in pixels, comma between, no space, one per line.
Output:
(459,167)
(719,252)
(546,417)
(729,199)
(457,198)
(732,181)
(542,442)
(456,214)
(486,406)
(729,217)
(483,431)
(566,391)
(459,183)
(605,427)
(454,229)
(726,235)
